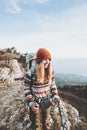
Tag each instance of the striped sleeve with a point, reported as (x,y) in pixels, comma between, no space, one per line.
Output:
(27,86)
(54,90)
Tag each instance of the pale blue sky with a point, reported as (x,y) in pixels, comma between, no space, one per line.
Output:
(58,25)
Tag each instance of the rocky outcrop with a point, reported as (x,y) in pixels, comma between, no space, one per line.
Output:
(14,113)
(11,66)
(9,74)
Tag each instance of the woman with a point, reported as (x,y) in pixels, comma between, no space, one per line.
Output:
(40,89)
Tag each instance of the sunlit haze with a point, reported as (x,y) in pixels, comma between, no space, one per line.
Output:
(58,25)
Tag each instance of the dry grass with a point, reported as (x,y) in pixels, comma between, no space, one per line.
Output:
(4,64)
(8,56)
(80,102)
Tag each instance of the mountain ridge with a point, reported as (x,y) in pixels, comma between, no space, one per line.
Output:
(63,79)
(13,113)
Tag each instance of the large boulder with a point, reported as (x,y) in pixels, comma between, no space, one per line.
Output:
(9,74)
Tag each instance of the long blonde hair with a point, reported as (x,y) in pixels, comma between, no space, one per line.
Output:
(43,74)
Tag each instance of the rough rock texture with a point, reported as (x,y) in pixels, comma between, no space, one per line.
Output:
(8,75)
(14,113)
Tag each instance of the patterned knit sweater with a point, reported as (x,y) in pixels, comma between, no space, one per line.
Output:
(36,89)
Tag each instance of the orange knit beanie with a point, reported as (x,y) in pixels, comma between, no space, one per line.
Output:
(42,54)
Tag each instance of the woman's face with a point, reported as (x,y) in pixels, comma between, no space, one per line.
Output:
(46,63)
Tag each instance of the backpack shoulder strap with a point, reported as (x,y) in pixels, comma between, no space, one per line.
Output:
(32,78)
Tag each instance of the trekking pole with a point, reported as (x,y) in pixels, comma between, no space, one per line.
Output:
(34,127)
(61,118)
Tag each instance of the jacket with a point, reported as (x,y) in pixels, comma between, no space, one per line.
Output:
(33,89)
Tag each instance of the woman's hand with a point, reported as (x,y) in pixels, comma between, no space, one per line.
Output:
(56,100)
(35,107)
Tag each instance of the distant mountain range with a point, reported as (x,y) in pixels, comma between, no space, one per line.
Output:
(70,71)
(70,79)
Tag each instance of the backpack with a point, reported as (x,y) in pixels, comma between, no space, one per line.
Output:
(30,66)
(30,61)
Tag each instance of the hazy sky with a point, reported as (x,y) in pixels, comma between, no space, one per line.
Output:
(58,25)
